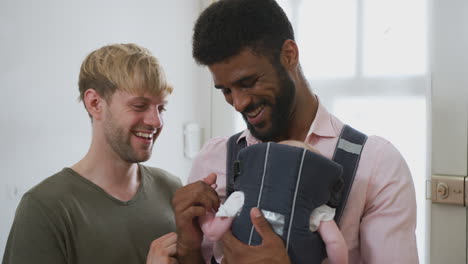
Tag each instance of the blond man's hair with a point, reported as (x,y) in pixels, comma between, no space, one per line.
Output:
(125,67)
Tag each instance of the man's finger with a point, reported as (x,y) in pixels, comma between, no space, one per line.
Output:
(261,224)
(210,179)
(190,213)
(172,250)
(197,193)
(168,239)
(168,235)
(230,241)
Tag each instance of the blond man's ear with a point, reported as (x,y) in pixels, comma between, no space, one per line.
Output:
(94,104)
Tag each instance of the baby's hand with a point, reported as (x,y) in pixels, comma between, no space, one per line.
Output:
(214,226)
(232,206)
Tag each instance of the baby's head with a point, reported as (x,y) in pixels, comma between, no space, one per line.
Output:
(299,144)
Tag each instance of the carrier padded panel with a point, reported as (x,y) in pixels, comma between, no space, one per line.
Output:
(272,179)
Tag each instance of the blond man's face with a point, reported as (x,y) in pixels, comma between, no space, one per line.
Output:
(132,124)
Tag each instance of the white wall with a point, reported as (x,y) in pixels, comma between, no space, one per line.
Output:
(43,127)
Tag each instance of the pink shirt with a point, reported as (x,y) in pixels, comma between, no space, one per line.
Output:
(379,220)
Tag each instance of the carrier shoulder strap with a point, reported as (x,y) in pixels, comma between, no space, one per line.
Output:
(347,154)
(233,148)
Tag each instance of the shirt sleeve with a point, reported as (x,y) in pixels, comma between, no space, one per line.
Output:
(388,226)
(211,159)
(34,237)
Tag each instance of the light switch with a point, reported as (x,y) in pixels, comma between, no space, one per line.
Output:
(192,139)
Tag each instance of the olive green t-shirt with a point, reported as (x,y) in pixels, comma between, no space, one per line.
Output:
(69,219)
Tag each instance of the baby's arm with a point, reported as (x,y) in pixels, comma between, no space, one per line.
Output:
(214,226)
(337,250)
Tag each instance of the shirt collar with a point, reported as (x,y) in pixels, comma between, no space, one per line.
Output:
(322,125)
(248,137)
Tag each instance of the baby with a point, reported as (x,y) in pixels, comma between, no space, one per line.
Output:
(321,220)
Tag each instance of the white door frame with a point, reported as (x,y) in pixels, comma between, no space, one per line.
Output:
(449,127)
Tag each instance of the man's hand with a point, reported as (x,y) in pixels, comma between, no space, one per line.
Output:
(271,250)
(163,250)
(190,202)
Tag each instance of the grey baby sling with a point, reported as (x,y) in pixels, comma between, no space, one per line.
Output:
(287,183)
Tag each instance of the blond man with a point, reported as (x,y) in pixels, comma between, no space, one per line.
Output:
(106,208)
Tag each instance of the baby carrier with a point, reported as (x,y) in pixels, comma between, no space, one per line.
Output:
(287,183)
